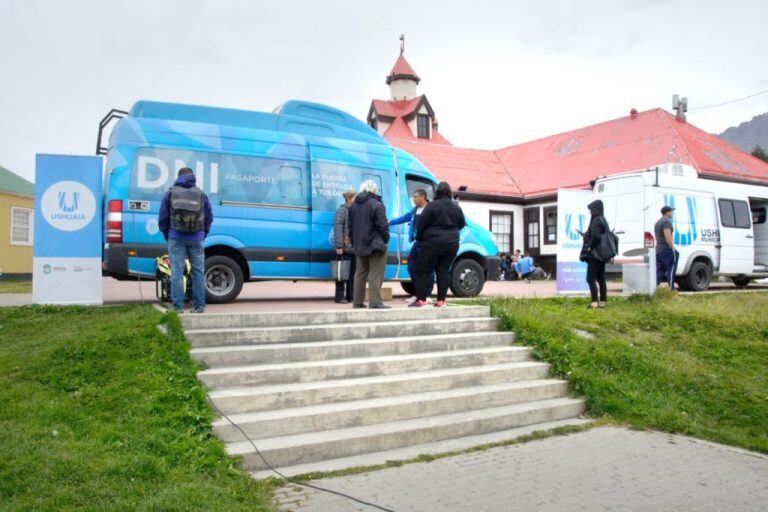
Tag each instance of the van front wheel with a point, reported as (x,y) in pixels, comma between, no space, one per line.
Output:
(467,278)
(223,279)
(698,277)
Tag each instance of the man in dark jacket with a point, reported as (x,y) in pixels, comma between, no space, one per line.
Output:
(595,266)
(185,220)
(437,232)
(369,235)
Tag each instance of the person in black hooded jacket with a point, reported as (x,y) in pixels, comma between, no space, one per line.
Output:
(437,231)
(595,266)
(369,236)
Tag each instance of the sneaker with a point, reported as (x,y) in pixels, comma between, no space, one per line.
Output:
(343,301)
(417,304)
(198,311)
(359,306)
(178,311)
(379,306)
(411,300)
(440,304)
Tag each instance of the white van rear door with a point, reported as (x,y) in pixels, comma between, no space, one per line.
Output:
(737,242)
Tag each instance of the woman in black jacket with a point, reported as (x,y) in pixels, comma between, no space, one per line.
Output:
(437,231)
(595,266)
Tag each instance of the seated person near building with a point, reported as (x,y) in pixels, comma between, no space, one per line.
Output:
(506,266)
(526,269)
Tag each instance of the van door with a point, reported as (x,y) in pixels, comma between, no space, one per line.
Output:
(334,171)
(737,243)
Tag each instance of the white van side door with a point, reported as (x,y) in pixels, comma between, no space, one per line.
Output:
(737,242)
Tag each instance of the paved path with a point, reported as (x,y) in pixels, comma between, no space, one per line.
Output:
(604,468)
(314,295)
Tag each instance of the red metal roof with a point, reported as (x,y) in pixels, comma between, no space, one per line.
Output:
(396,108)
(572,159)
(403,70)
(477,169)
(399,111)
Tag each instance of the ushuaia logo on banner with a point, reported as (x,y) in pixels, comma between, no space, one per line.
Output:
(572,238)
(68,205)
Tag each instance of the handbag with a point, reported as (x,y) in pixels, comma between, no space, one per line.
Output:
(340,269)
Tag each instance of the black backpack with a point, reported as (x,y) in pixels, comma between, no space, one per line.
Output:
(187,209)
(608,247)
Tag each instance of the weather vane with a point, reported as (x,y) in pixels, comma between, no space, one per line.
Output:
(402,43)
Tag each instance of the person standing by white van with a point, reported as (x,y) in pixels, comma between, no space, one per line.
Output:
(665,248)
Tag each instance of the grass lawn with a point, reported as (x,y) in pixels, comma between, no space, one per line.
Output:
(694,364)
(100,411)
(15,286)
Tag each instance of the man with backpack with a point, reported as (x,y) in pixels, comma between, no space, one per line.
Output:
(185,219)
(600,246)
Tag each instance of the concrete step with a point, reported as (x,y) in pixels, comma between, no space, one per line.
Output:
(411,452)
(239,355)
(381,410)
(343,316)
(302,394)
(333,444)
(255,375)
(330,332)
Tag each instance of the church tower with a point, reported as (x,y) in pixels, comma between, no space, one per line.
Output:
(407,114)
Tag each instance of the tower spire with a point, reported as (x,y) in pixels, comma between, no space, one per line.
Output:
(402,43)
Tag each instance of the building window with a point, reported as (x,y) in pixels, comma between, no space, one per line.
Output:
(531,225)
(550,225)
(422,125)
(501,227)
(735,214)
(21,226)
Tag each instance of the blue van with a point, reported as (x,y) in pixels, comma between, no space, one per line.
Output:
(274,181)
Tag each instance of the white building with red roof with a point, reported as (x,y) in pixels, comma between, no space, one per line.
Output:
(513,190)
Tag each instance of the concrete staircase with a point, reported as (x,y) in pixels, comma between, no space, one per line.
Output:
(319,391)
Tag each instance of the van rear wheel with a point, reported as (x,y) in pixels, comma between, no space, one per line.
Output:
(698,277)
(467,278)
(741,282)
(223,279)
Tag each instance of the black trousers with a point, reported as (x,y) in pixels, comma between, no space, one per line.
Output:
(437,259)
(344,289)
(595,278)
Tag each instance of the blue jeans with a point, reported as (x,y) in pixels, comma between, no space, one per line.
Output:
(178,250)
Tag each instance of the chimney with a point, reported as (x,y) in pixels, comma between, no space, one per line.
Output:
(680,106)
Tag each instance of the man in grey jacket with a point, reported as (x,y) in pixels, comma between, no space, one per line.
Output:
(344,250)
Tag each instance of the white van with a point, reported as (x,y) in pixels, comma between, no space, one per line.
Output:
(720,227)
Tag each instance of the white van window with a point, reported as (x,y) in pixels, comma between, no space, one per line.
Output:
(734,213)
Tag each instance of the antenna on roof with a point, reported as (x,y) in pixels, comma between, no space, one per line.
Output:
(680,106)
(402,43)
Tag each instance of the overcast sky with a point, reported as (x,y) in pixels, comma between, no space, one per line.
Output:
(496,73)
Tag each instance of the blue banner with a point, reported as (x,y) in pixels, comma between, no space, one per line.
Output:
(68,230)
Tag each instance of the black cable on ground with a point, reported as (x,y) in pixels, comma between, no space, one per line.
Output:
(304,484)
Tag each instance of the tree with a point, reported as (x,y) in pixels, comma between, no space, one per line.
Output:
(760,153)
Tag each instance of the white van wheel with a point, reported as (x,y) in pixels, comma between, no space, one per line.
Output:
(698,277)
